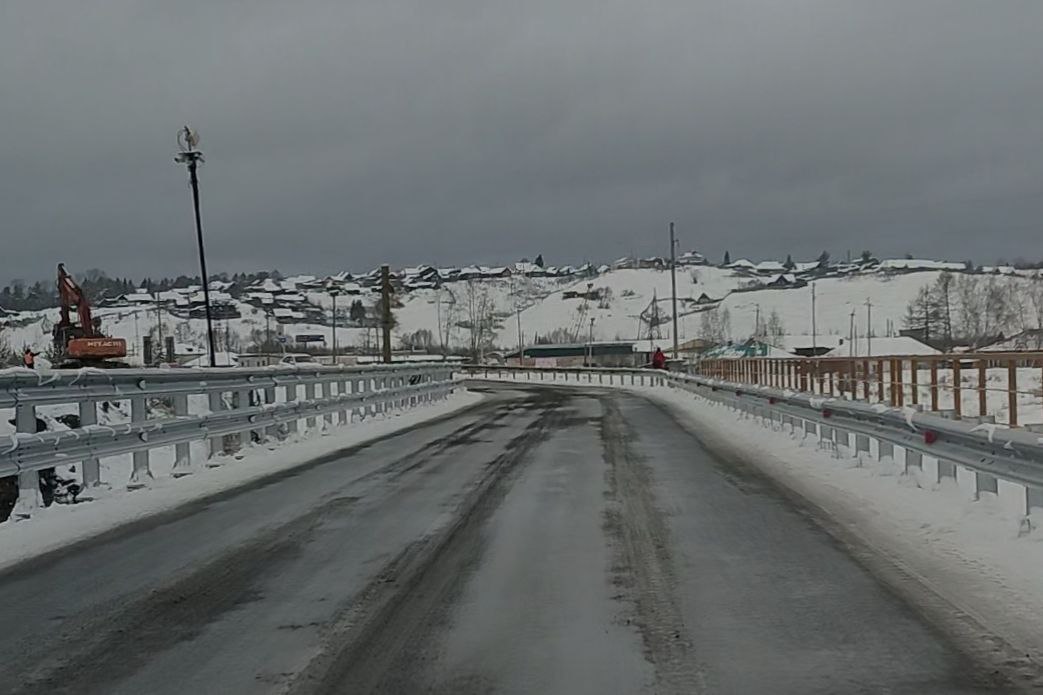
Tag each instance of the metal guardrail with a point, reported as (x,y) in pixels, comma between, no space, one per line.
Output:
(992,452)
(242,404)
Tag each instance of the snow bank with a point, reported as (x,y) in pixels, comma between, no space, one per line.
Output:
(61,525)
(980,556)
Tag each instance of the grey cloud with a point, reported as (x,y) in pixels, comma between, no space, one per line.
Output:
(344,134)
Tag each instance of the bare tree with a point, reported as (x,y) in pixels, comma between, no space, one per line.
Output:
(716,326)
(481,318)
(775,329)
(447,312)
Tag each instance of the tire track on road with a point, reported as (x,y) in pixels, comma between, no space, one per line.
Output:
(643,569)
(380,643)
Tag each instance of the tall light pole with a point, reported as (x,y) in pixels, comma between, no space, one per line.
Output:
(333,292)
(188,141)
(673,284)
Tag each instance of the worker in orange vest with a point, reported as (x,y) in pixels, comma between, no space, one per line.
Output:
(29,358)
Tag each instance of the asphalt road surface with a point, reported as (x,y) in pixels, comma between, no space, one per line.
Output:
(546,541)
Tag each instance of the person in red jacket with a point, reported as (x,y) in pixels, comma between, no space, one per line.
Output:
(658,359)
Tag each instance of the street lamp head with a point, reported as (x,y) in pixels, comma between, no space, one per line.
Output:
(188,139)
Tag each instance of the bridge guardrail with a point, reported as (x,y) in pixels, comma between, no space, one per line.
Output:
(992,452)
(241,404)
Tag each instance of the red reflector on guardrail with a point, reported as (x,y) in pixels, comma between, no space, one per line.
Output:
(827,413)
(930,436)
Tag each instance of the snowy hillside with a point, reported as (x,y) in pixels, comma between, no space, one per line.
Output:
(562,306)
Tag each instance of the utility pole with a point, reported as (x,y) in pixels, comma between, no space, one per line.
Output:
(333,292)
(869,327)
(267,330)
(673,284)
(188,140)
(590,344)
(159,322)
(757,322)
(385,319)
(851,335)
(814,325)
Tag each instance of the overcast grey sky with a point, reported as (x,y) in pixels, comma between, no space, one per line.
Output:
(347,133)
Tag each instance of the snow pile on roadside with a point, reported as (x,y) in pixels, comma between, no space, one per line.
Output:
(981,556)
(60,525)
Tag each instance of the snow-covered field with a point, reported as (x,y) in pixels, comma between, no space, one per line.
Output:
(113,505)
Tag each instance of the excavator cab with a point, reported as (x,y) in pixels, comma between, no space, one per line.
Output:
(81,343)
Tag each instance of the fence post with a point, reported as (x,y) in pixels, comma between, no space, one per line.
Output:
(1012,391)
(896,366)
(880,380)
(914,381)
(866,390)
(28,481)
(140,474)
(957,395)
(91,466)
(182,455)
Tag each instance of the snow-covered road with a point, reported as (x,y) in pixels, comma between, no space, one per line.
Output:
(545,541)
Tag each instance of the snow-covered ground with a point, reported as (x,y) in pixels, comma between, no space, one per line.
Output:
(447,312)
(544,309)
(982,556)
(113,505)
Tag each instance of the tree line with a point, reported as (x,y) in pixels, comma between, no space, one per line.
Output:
(965,309)
(19,295)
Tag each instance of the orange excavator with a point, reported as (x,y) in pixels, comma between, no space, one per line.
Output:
(82,344)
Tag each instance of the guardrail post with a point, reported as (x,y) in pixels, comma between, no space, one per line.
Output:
(884,450)
(983,482)
(291,396)
(140,474)
(92,466)
(342,390)
(861,444)
(327,394)
(182,457)
(1012,391)
(271,431)
(946,469)
(913,460)
(29,498)
(1033,499)
(253,434)
(309,395)
(216,405)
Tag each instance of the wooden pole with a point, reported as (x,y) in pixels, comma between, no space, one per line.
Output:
(1012,391)
(385,318)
